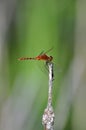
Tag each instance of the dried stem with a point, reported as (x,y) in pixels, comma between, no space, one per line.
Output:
(48,116)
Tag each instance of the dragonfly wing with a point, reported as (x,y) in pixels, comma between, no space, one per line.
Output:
(48,50)
(41,53)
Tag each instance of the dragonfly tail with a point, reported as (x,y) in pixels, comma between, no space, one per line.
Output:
(26,58)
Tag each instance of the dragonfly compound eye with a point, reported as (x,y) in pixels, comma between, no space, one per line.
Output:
(51,58)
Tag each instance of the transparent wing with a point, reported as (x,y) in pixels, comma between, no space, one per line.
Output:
(44,52)
(41,53)
(48,50)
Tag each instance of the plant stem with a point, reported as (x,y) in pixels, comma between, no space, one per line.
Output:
(48,116)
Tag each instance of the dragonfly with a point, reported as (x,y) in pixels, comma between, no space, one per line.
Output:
(42,56)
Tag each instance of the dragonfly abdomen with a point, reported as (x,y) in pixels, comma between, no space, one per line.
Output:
(26,58)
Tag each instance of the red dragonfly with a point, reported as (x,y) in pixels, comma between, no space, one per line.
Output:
(42,56)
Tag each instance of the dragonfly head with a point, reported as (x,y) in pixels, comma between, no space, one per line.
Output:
(51,58)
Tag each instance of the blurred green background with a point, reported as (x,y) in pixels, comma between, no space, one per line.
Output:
(28,27)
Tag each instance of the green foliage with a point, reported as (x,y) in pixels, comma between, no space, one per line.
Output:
(37,26)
